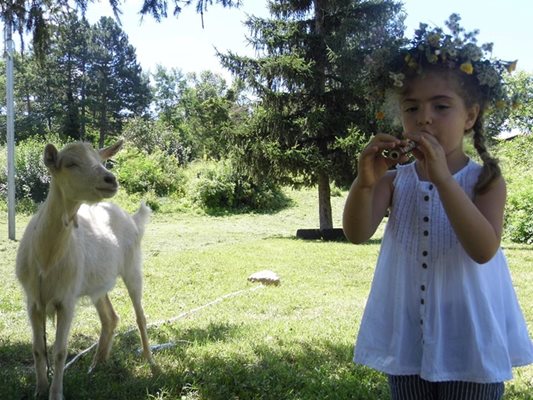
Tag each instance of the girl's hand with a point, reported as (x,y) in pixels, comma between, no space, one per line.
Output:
(431,156)
(372,165)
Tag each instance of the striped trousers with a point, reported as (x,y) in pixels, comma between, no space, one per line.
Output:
(412,387)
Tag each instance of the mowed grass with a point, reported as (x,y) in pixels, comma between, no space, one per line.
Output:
(228,338)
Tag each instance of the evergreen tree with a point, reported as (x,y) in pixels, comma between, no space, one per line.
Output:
(117,86)
(71,55)
(309,85)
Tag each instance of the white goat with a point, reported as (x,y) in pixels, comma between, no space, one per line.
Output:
(72,249)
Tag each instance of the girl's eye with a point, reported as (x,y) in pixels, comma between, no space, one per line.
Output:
(442,106)
(410,109)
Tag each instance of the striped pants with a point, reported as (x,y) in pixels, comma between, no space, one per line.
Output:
(412,387)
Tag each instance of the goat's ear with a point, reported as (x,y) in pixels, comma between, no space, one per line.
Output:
(108,152)
(50,156)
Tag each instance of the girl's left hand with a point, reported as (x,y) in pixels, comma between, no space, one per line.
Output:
(431,156)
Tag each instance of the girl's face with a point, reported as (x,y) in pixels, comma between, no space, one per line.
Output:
(432,104)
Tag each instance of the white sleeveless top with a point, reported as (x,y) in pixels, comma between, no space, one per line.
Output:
(432,311)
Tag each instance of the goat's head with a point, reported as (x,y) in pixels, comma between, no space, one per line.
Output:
(79,172)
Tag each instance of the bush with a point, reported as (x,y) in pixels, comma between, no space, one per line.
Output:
(151,136)
(519,213)
(514,156)
(32,177)
(139,172)
(217,186)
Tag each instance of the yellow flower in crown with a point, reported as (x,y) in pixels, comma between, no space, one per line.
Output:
(380,115)
(467,68)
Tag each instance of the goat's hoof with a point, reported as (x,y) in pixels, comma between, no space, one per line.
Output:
(156,369)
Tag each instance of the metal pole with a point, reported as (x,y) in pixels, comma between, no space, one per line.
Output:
(10,127)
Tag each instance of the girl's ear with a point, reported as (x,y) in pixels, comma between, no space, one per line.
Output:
(471,117)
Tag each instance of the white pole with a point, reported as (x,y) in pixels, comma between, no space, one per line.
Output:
(10,127)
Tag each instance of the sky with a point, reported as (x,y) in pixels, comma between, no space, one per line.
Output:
(181,42)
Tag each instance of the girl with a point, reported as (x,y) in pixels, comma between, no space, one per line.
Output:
(442,319)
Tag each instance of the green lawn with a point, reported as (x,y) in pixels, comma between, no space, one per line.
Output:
(293,341)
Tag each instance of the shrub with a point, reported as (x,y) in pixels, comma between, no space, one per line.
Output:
(519,213)
(218,186)
(514,156)
(151,136)
(139,172)
(31,176)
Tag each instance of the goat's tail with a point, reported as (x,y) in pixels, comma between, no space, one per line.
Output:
(141,217)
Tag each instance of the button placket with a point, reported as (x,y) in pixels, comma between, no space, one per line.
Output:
(424,240)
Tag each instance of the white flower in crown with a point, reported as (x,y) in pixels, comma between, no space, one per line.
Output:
(397,78)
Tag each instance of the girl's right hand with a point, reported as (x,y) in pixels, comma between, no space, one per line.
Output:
(372,165)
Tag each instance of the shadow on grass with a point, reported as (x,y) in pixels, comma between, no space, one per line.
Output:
(319,370)
(315,370)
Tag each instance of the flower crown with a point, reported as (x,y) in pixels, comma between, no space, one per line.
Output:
(432,47)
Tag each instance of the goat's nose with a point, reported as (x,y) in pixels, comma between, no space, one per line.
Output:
(110,178)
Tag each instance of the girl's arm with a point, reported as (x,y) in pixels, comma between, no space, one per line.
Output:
(478,224)
(365,208)
(371,192)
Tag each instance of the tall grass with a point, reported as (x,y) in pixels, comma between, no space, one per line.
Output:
(226,338)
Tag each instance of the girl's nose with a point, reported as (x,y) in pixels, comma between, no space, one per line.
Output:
(424,117)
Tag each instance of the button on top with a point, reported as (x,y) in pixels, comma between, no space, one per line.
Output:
(426,198)
(430,187)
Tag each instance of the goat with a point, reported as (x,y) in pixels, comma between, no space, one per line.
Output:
(76,245)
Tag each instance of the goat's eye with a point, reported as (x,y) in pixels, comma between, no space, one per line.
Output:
(71,165)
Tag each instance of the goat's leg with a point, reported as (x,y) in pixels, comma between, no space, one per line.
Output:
(109,320)
(134,286)
(38,325)
(64,314)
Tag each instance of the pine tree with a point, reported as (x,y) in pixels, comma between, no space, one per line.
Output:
(309,85)
(117,86)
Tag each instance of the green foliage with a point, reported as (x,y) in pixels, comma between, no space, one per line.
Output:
(514,156)
(218,186)
(32,178)
(149,136)
(140,172)
(520,86)
(309,76)
(89,80)
(519,214)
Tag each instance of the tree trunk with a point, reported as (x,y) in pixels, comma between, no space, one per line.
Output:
(324,202)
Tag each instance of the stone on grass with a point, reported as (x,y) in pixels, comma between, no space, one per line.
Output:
(266,277)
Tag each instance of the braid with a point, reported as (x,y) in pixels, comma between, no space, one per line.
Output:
(491,169)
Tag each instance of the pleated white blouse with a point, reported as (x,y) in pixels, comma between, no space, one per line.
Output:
(432,311)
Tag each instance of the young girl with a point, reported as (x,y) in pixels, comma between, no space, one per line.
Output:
(442,319)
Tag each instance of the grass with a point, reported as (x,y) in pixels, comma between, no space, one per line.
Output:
(293,341)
